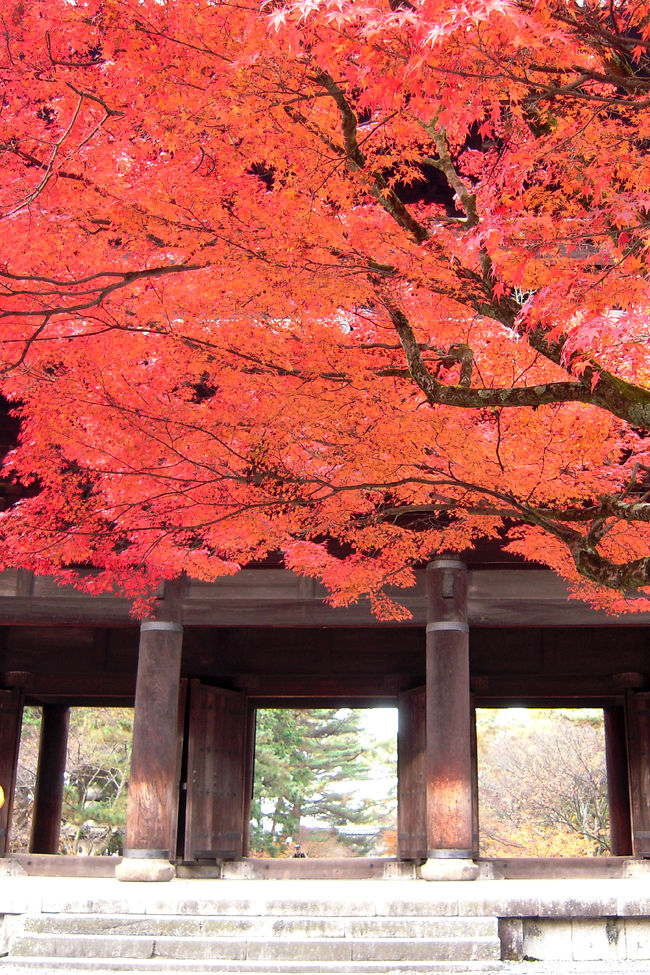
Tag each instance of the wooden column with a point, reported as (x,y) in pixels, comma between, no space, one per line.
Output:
(11,715)
(448,716)
(618,793)
(48,796)
(154,772)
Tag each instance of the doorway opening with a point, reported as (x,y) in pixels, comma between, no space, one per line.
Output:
(95,786)
(542,782)
(325,783)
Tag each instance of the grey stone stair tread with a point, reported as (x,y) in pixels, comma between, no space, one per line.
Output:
(234,948)
(283,935)
(258,907)
(235,925)
(222,906)
(18,966)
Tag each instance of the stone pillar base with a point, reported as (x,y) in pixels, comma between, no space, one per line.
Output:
(448,869)
(144,871)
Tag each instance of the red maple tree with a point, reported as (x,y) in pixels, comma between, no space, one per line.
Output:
(353,282)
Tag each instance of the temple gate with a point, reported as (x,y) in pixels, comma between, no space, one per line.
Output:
(489,633)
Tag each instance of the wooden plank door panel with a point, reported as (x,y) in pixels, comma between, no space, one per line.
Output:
(411,776)
(216,773)
(638,750)
(249,778)
(476,836)
(174,838)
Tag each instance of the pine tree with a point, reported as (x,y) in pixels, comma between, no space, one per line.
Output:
(306,764)
(96,780)
(281,778)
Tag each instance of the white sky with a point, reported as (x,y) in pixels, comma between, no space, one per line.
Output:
(381,723)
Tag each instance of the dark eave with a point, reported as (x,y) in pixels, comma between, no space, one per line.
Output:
(498,597)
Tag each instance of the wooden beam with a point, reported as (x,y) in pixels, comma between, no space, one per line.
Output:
(48,797)
(512,687)
(305,686)
(175,826)
(275,597)
(85,689)
(318,701)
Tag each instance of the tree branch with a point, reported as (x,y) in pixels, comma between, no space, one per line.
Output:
(464,397)
(356,162)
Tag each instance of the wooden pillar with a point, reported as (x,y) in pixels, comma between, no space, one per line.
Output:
(48,796)
(11,715)
(154,771)
(448,722)
(620,828)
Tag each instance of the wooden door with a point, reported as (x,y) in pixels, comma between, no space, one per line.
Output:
(637,708)
(411,776)
(618,782)
(475,818)
(249,777)
(215,773)
(178,800)
(11,716)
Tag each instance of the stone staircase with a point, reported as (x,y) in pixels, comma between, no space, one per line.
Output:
(288,937)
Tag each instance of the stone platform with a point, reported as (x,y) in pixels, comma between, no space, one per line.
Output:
(303,927)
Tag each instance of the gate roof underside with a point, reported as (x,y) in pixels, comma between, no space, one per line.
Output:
(273,635)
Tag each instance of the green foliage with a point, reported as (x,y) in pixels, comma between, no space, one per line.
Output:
(96,780)
(281,776)
(95,794)
(25,780)
(307,764)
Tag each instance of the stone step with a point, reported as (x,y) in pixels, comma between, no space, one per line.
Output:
(162,966)
(262,927)
(297,949)
(317,906)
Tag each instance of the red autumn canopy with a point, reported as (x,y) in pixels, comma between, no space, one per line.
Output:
(352,282)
